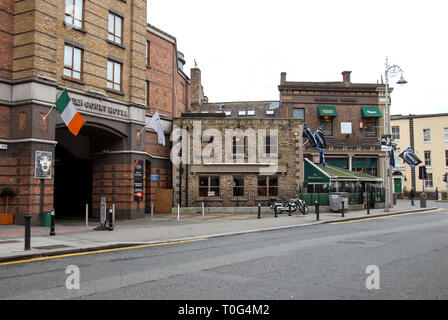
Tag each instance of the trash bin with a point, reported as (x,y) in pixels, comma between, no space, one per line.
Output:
(336,198)
(45,220)
(422,200)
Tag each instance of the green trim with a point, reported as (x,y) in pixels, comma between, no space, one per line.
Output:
(329,111)
(367,112)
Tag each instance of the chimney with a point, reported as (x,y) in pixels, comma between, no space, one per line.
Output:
(197,93)
(282,77)
(346,76)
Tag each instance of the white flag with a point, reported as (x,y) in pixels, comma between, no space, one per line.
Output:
(156,124)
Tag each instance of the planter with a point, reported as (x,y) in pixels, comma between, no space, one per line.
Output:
(7,218)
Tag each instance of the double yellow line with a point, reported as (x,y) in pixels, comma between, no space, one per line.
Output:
(98,251)
(385,217)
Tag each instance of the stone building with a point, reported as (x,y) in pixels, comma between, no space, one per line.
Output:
(234,154)
(118,71)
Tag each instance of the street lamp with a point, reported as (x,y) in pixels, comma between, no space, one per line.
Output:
(391,71)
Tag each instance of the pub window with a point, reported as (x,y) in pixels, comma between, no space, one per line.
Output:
(267,186)
(370,127)
(72,62)
(115,28)
(208,186)
(238,186)
(114,75)
(327,126)
(74,12)
(429,181)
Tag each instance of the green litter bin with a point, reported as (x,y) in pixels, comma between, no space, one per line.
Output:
(45,219)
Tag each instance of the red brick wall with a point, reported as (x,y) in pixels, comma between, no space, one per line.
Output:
(6,38)
(5,122)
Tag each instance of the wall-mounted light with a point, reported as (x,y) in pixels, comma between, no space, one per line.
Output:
(361,125)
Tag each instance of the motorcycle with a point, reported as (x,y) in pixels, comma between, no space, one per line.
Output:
(291,206)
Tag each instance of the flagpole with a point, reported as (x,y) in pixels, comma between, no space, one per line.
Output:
(143,128)
(52,106)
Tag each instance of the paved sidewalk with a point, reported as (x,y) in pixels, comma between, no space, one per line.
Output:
(73,236)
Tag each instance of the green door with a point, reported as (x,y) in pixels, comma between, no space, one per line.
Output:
(397,186)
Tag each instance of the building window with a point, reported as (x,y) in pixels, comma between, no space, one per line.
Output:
(428,158)
(370,127)
(327,126)
(426,135)
(270,145)
(445,133)
(446,158)
(208,186)
(238,186)
(148,57)
(74,12)
(428,181)
(238,145)
(114,75)
(72,62)
(395,133)
(298,113)
(267,186)
(115,28)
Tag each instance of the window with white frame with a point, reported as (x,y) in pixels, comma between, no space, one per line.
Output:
(72,62)
(74,12)
(428,181)
(428,158)
(114,75)
(395,133)
(426,135)
(445,133)
(115,28)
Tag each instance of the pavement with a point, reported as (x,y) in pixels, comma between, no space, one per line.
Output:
(74,237)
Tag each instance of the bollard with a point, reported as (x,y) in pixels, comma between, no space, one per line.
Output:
(203,211)
(111,227)
(317,210)
(87,216)
(178,212)
(275,211)
(259,211)
(27,232)
(52,231)
(152,210)
(367,205)
(342,208)
(289,209)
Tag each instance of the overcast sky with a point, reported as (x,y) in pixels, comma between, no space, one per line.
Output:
(242,46)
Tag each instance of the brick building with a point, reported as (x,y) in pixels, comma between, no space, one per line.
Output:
(235,154)
(352,117)
(118,70)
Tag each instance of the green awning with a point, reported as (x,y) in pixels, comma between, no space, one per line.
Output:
(329,111)
(317,173)
(370,112)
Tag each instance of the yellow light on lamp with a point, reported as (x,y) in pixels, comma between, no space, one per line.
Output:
(361,125)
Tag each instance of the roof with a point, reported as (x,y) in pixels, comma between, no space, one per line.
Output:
(429,115)
(243,109)
(329,85)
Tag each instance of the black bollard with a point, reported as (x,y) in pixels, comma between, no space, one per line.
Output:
(52,232)
(289,209)
(317,210)
(367,204)
(27,232)
(111,227)
(342,208)
(275,211)
(259,211)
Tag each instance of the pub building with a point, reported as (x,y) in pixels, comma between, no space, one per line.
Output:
(118,71)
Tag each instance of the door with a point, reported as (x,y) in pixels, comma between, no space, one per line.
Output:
(397,185)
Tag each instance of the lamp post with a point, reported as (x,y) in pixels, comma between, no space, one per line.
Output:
(391,71)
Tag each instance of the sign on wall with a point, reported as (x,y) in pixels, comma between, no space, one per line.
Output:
(43,164)
(138,180)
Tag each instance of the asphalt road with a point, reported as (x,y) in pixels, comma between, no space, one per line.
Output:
(401,257)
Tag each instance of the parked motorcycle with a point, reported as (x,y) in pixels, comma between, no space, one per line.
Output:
(291,206)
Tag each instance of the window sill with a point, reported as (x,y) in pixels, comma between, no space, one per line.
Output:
(116,44)
(237,199)
(120,93)
(72,26)
(73,80)
(209,199)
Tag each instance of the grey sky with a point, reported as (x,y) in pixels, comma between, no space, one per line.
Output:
(242,46)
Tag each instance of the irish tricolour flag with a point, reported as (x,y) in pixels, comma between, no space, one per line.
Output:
(69,114)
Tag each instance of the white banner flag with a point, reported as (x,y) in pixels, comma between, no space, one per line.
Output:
(156,124)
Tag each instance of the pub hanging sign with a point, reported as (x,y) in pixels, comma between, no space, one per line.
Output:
(138,180)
